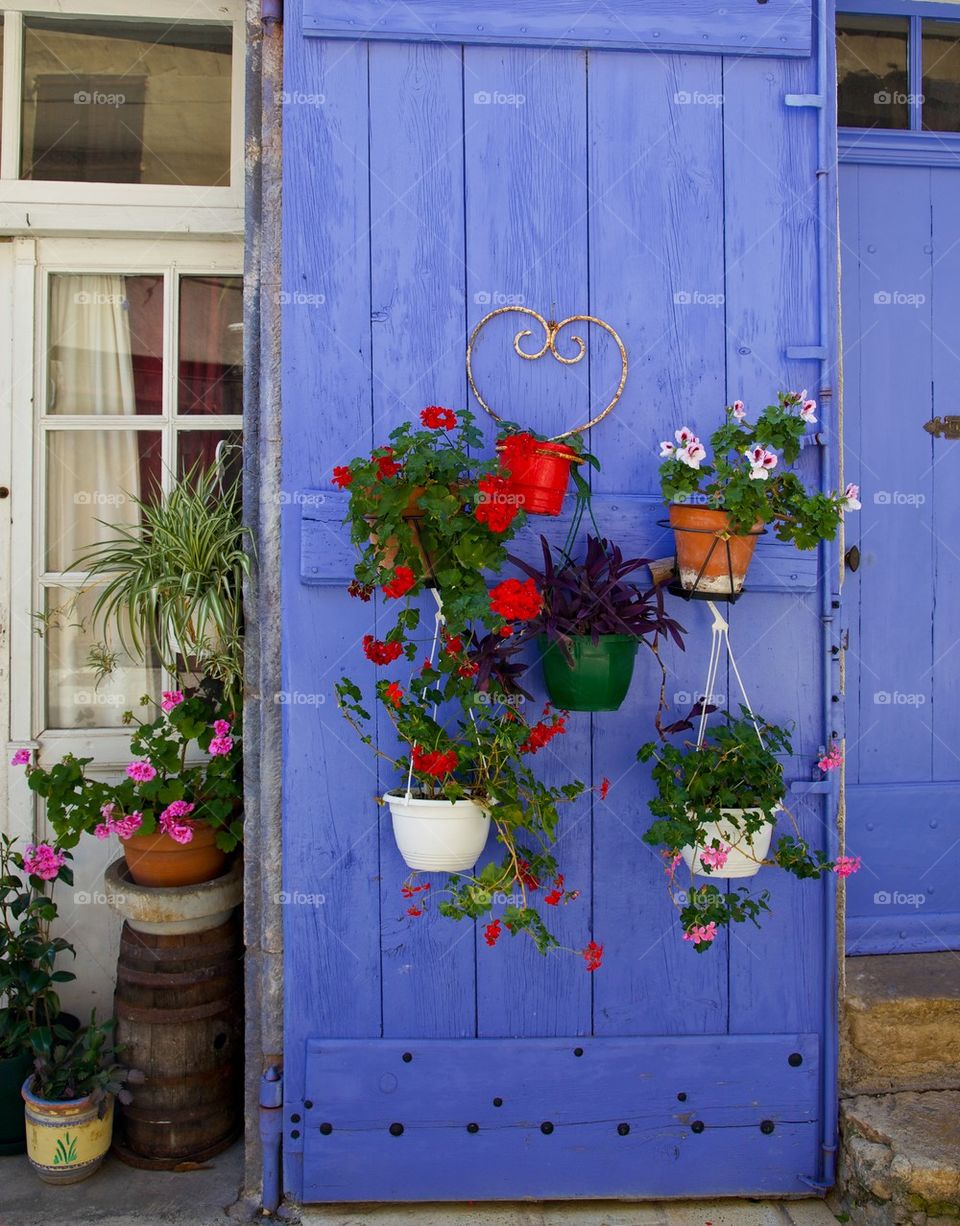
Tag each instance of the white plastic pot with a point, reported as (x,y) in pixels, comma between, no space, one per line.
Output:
(438,836)
(746,850)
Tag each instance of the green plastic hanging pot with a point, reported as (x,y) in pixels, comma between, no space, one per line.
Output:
(598,678)
(13,1135)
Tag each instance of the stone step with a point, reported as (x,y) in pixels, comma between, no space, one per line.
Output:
(901,1024)
(900,1158)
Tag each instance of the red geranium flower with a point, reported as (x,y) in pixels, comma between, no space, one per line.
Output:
(401,583)
(436,418)
(604,788)
(525,877)
(363,591)
(386,464)
(491,934)
(380,651)
(516,600)
(593,956)
(517,447)
(434,762)
(497,507)
(556,894)
(342,476)
(393,693)
(414,910)
(453,645)
(542,734)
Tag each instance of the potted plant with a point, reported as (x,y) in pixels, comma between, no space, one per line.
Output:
(716,807)
(28,976)
(177,809)
(425,511)
(538,470)
(718,509)
(69,1100)
(592,622)
(471,773)
(172,583)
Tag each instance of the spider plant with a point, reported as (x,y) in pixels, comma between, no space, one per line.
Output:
(173,581)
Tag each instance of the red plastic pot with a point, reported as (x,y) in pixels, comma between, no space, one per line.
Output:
(538,475)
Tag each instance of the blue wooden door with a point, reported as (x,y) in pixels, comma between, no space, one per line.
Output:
(436,165)
(900,229)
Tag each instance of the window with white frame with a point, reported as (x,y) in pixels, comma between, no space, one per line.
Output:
(139,381)
(136,105)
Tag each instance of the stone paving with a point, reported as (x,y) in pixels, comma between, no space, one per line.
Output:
(120,1196)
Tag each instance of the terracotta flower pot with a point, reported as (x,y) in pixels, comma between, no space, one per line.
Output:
(387,555)
(158,860)
(66,1142)
(710,559)
(538,475)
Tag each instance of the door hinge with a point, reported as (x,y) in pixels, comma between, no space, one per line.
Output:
(271,10)
(943,427)
(803,100)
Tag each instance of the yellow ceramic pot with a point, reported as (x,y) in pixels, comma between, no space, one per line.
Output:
(66,1142)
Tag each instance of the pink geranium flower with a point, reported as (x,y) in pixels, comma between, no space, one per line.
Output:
(761,461)
(808,411)
(693,454)
(20,758)
(847,865)
(103,831)
(221,727)
(220,746)
(141,772)
(738,411)
(170,823)
(701,933)
(715,857)
(851,498)
(667,449)
(43,861)
(832,759)
(171,699)
(124,827)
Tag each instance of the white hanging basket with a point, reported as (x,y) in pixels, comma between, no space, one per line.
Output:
(746,850)
(438,836)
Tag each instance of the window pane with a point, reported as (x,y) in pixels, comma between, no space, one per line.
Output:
(90,682)
(91,475)
(105,349)
(872,71)
(206,447)
(108,101)
(941,76)
(211,345)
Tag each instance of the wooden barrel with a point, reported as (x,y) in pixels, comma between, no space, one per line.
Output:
(179,1009)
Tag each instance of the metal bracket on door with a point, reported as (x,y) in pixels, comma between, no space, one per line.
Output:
(943,427)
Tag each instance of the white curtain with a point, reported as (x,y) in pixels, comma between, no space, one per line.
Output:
(89,472)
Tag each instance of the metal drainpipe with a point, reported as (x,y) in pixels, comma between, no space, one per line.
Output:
(271,1131)
(832,711)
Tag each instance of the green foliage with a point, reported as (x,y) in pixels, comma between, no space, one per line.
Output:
(70,1065)
(28,976)
(438,478)
(779,498)
(173,582)
(176,745)
(731,770)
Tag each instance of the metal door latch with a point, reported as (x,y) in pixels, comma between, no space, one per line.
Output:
(851,559)
(943,427)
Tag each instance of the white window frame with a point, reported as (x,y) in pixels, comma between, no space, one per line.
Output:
(28,206)
(36,260)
